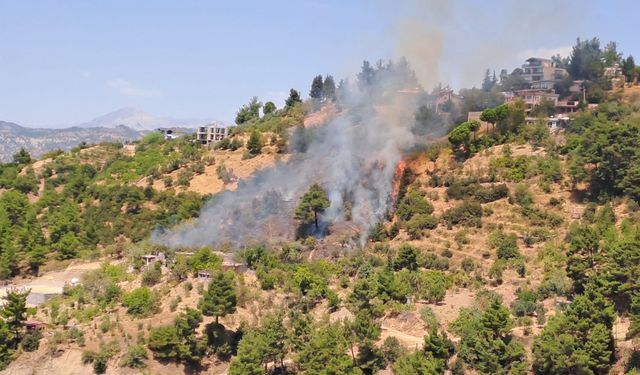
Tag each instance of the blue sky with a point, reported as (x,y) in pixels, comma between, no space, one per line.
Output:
(65,62)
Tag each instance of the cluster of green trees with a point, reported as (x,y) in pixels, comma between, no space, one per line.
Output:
(323,90)
(603,151)
(275,120)
(85,208)
(507,121)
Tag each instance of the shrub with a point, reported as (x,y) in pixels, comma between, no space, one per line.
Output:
(429,319)
(153,275)
(433,262)
(136,357)
(522,196)
(167,181)
(467,213)
(391,349)
(31,341)
(525,303)
(554,202)
(461,237)
(141,302)
(508,247)
(468,264)
(105,324)
(419,223)
(413,204)
(469,188)
(183,178)
(165,342)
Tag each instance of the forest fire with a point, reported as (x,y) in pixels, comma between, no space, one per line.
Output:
(397,179)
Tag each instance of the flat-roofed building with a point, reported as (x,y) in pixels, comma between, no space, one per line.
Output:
(212,133)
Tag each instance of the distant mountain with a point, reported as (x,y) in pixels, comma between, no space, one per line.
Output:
(38,140)
(138,119)
(120,125)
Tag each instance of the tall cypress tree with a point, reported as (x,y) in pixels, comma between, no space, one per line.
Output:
(329,89)
(316,88)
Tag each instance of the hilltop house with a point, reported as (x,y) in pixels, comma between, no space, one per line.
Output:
(171,133)
(212,133)
(446,100)
(553,122)
(531,97)
(542,73)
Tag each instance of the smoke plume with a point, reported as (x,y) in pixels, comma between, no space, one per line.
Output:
(353,157)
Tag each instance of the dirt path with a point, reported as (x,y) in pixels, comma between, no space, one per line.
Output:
(410,341)
(51,283)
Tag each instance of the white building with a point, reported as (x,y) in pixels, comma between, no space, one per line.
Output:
(212,133)
(171,133)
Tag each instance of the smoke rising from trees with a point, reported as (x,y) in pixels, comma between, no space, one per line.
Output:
(353,157)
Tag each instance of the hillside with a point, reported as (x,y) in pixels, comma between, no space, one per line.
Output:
(358,232)
(463,254)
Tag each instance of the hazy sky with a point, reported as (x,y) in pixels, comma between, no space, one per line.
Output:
(64,62)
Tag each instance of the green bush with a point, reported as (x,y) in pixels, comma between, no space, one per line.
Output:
(136,357)
(413,204)
(508,247)
(31,341)
(153,275)
(419,223)
(141,302)
(467,213)
(470,188)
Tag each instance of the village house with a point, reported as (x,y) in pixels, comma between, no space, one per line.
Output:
(567,106)
(171,133)
(531,97)
(554,123)
(150,259)
(212,133)
(446,100)
(542,74)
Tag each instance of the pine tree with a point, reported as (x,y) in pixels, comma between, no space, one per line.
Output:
(22,157)
(220,297)
(14,312)
(438,345)
(600,349)
(312,203)
(8,260)
(269,107)
(316,88)
(67,247)
(254,144)
(274,334)
(248,361)
(293,99)
(326,352)
(329,89)
(407,257)
(629,68)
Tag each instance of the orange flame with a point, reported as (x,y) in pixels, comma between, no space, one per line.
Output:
(397,179)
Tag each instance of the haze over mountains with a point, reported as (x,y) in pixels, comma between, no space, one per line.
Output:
(137,119)
(120,125)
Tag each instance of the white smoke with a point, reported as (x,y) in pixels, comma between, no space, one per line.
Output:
(354,155)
